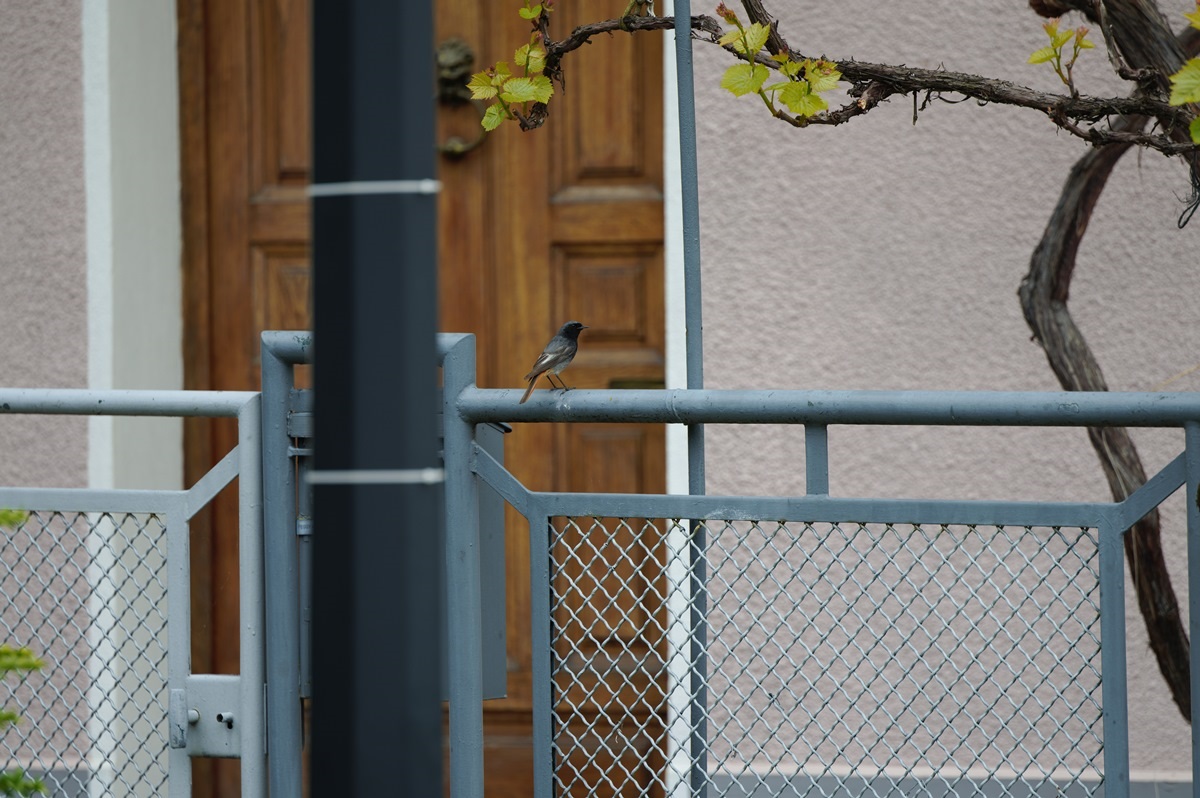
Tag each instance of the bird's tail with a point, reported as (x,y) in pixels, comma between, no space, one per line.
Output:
(529,390)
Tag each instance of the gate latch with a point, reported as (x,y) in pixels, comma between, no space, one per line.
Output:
(202,716)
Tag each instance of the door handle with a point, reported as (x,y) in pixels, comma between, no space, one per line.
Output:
(455,59)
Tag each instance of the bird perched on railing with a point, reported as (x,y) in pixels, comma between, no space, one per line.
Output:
(557,355)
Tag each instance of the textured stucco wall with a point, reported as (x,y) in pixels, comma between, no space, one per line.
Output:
(884,255)
(42,235)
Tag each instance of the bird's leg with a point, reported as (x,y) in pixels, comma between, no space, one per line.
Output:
(562,386)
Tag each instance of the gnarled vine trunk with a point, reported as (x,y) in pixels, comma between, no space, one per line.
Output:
(1144,41)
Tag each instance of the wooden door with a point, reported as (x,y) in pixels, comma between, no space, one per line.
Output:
(534,229)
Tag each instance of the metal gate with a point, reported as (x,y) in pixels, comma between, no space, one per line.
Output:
(96,584)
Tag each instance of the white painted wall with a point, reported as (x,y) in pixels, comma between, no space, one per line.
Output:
(881,255)
(134,237)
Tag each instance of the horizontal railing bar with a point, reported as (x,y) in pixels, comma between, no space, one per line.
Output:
(85,402)
(934,408)
(91,500)
(823,509)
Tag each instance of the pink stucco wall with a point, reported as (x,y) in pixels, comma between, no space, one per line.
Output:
(883,255)
(42,235)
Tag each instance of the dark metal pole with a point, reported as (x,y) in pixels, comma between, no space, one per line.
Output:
(378,570)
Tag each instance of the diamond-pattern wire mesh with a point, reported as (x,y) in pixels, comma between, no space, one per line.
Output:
(87,594)
(844,658)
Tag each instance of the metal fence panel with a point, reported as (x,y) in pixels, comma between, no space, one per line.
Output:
(96,583)
(88,594)
(841,656)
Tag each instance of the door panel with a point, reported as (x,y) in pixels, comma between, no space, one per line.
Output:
(534,229)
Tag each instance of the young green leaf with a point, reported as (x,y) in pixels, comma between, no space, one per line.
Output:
(747,41)
(532,57)
(1185,84)
(1060,38)
(744,78)
(1194,130)
(1194,18)
(800,100)
(1043,55)
(493,117)
(790,68)
(756,37)
(536,88)
(731,36)
(481,86)
(821,75)
(500,73)
(533,12)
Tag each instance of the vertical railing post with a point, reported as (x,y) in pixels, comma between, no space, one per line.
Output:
(1192,500)
(281,572)
(463,580)
(1113,686)
(816,459)
(179,648)
(250,607)
(542,652)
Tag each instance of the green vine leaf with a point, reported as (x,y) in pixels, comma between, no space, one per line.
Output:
(742,79)
(746,41)
(481,86)
(1043,55)
(1185,84)
(18,659)
(533,12)
(821,75)
(1194,130)
(787,66)
(536,88)
(756,37)
(800,99)
(494,116)
(532,57)
(1053,55)
(15,782)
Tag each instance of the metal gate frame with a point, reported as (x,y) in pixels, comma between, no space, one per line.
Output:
(468,465)
(205,715)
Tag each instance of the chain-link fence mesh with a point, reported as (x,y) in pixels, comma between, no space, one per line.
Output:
(87,594)
(841,659)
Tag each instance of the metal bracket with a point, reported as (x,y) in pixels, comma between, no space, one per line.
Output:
(203,717)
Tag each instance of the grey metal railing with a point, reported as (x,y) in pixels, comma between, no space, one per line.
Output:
(97,583)
(852,646)
(845,646)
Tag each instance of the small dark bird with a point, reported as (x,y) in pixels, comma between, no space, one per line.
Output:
(557,355)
